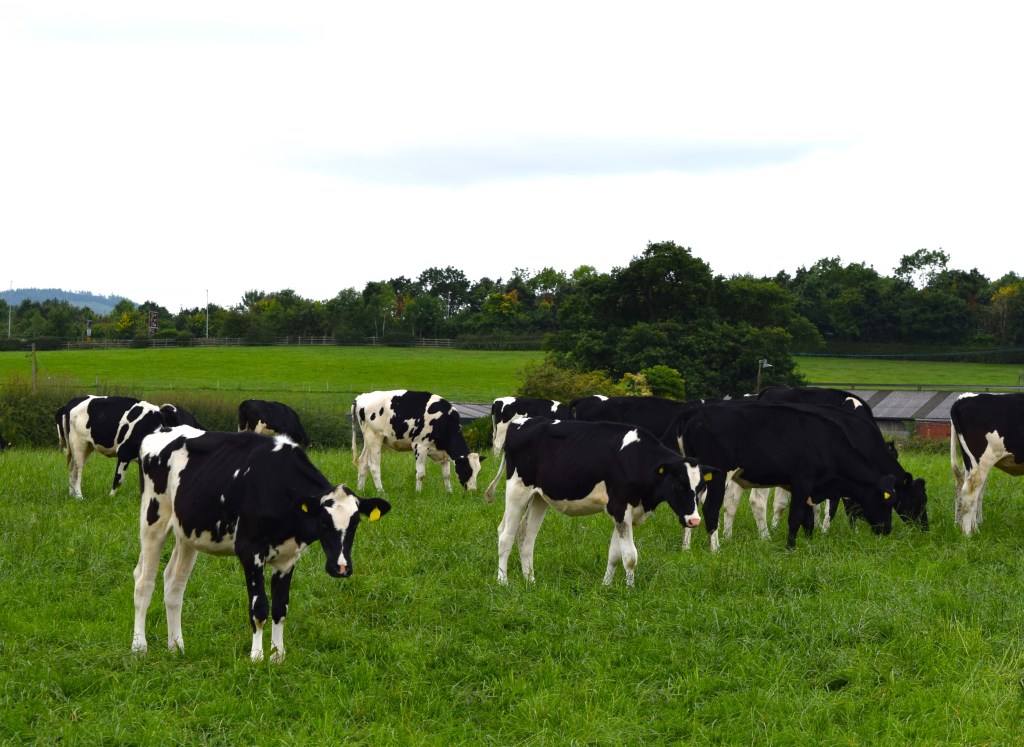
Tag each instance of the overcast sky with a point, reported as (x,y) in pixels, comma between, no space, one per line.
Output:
(166,151)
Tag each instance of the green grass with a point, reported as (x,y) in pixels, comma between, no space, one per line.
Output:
(849,639)
(459,375)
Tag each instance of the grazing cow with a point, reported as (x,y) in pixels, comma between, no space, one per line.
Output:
(504,409)
(808,395)
(580,468)
(174,415)
(421,422)
(264,416)
(256,497)
(814,453)
(113,426)
(987,429)
(658,415)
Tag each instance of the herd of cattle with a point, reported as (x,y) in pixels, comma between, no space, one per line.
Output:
(255,493)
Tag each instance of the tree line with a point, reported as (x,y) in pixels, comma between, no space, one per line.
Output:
(664,308)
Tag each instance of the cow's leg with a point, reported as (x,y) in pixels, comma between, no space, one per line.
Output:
(420,454)
(798,509)
(733,493)
(759,507)
(258,607)
(529,527)
(715,495)
(119,471)
(446,473)
(280,586)
(827,512)
(78,451)
(152,540)
(622,548)
(779,504)
(969,499)
(517,499)
(179,568)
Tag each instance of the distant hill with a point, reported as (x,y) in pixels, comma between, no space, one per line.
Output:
(99,304)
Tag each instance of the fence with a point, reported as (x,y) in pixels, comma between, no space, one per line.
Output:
(156,342)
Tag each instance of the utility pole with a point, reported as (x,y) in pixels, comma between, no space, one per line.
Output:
(10,308)
(207,313)
(761,364)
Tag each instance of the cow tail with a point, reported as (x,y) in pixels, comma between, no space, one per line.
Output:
(954,460)
(355,425)
(489,493)
(62,428)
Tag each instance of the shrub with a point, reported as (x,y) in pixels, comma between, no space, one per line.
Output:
(549,381)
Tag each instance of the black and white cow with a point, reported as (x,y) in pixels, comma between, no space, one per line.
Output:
(113,426)
(986,431)
(265,416)
(421,422)
(580,468)
(174,415)
(255,497)
(504,409)
(815,454)
(808,395)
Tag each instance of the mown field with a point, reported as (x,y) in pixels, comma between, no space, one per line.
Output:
(914,638)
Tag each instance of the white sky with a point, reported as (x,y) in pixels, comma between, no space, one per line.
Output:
(163,151)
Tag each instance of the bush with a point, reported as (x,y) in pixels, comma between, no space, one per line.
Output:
(478,434)
(549,381)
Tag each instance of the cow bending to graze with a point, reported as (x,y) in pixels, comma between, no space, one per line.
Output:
(264,416)
(814,454)
(581,468)
(113,426)
(986,431)
(256,497)
(420,422)
(504,409)
(808,395)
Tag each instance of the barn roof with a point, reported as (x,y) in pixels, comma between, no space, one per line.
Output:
(892,404)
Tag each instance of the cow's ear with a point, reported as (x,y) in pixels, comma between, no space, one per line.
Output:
(373,508)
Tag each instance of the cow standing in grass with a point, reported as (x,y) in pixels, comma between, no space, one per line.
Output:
(581,468)
(256,497)
(113,426)
(423,423)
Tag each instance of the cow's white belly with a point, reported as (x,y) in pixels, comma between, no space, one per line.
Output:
(204,541)
(594,502)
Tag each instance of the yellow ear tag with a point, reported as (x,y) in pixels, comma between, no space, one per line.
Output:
(375,514)
(661,470)
(305,508)
(707,477)
(886,496)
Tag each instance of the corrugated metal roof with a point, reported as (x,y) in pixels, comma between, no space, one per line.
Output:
(908,405)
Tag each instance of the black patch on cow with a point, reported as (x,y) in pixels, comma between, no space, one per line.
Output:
(153,512)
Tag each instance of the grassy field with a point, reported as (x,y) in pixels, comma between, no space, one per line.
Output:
(849,639)
(914,638)
(459,375)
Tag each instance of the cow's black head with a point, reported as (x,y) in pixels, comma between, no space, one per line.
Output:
(682,485)
(912,501)
(467,468)
(338,514)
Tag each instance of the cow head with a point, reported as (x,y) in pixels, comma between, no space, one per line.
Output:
(467,468)
(911,501)
(338,514)
(682,485)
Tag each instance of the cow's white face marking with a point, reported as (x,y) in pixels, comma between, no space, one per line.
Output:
(632,436)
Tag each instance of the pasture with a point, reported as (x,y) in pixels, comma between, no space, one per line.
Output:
(849,639)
